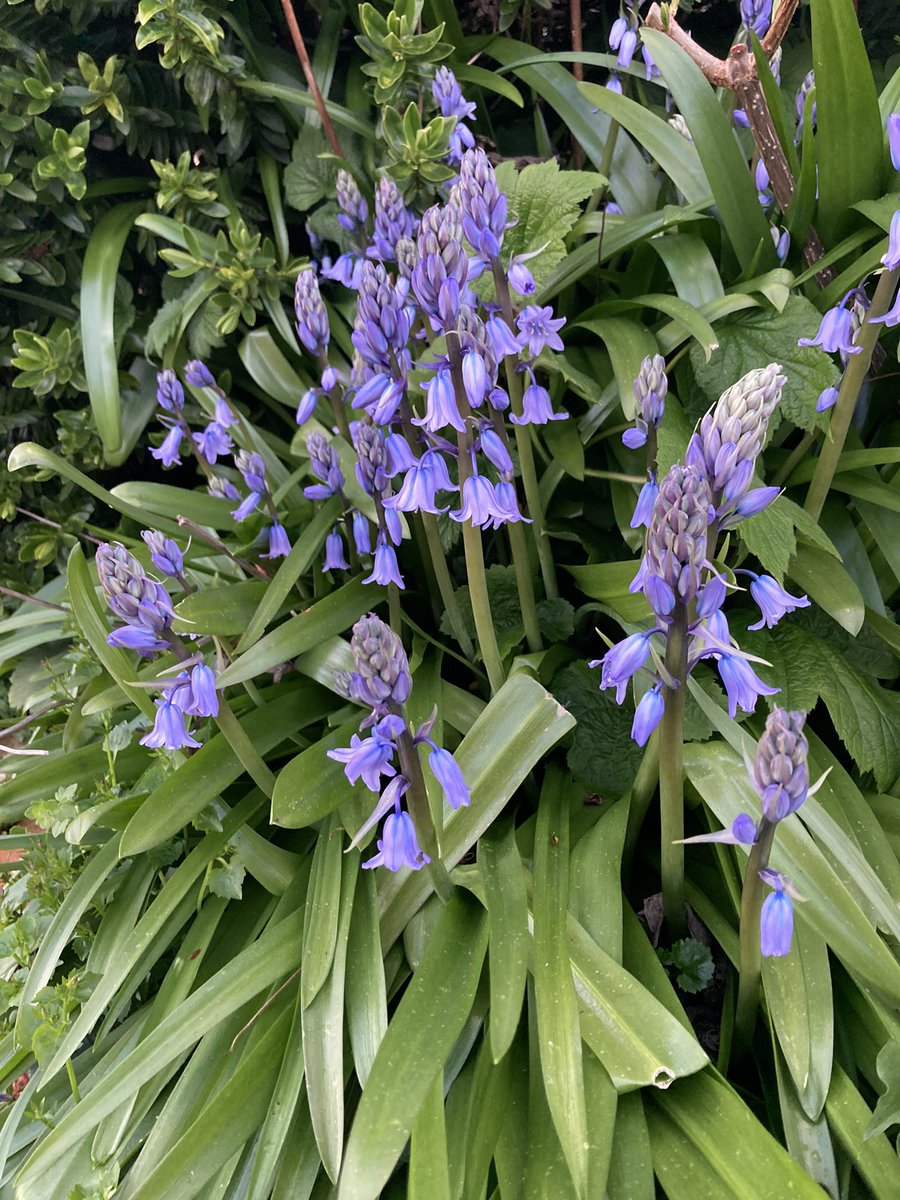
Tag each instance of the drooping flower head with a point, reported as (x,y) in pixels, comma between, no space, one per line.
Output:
(382,668)
(442,267)
(482,204)
(780,773)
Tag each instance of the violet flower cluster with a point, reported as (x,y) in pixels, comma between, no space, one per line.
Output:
(780,776)
(624,38)
(414,279)
(382,683)
(143,604)
(650,389)
(711,491)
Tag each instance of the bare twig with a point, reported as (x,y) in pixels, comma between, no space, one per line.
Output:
(32,599)
(311,82)
(575,24)
(32,717)
(200,533)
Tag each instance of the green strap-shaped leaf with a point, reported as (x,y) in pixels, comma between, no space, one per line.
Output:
(164,500)
(507,905)
(331,615)
(722,158)
(707,1144)
(419,1038)
(98,342)
(252,971)
(559,1037)
(367,1016)
(186,791)
(320,917)
(429,1172)
(849,136)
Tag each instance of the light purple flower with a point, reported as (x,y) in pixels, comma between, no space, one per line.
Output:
(362,536)
(198,374)
(417,491)
(398,846)
(204,699)
(213,442)
(441,409)
(279,543)
(647,715)
(774,602)
(137,637)
(334,553)
(742,684)
(446,771)
(893,129)
(892,257)
(627,48)
(479,504)
(622,661)
(827,399)
(538,328)
(644,507)
(168,452)
(537,408)
(835,332)
(168,732)
(307,406)
(494,449)
(366,759)
(385,568)
(501,337)
(776,921)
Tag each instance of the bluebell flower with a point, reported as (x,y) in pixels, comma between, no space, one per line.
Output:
(169,731)
(479,503)
(169,392)
(780,772)
(198,374)
(756,15)
(782,241)
(137,637)
(617,31)
(537,408)
(446,771)
(774,602)
(248,505)
(366,759)
(223,488)
(651,70)
(475,378)
(835,331)
(741,119)
(893,131)
(441,408)
(614,84)
(334,553)
(506,505)
(385,568)
(362,538)
(828,398)
(204,699)
(442,267)
(165,553)
(503,341)
(776,920)
(647,715)
(417,492)
(279,543)
(646,500)
(252,469)
(393,220)
(398,846)
(483,207)
(382,668)
(538,329)
(891,258)
(168,453)
(346,269)
(213,442)
(749,505)
(742,685)
(520,278)
(622,661)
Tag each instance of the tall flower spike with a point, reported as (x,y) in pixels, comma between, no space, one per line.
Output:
(448,96)
(483,205)
(780,773)
(382,668)
(442,267)
(650,389)
(354,211)
(393,220)
(382,321)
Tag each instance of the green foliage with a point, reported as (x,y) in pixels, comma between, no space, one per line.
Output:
(692,963)
(401,57)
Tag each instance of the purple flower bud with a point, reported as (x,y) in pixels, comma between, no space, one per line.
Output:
(479,503)
(776,923)
(169,392)
(354,210)
(521,279)
(398,846)
(447,95)
(223,488)
(137,637)
(475,378)
(204,699)
(168,732)
(647,715)
(442,267)
(366,759)
(361,535)
(248,505)
(676,539)
(326,466)
(279,543)
(749,505)
(495,450)
(651,70)
(446,771)
(741,119)
(614,84)
(309,310)
(307,406)
(743,829)
(627,48)
(393,220)
(809,82)
(539,329)
(502,340)
(756,15)
(780,771)
(252,469)
(650,389)
(334,553)
(381,662)
(892,258)
(483,207)
(827,399)
(617,31)
(169,452)
(198,374)
(636,437)
(164,553)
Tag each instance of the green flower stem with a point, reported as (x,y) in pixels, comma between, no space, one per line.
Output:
(750,961)
(417,803)
(395,614)
(642,792)
(336,396)
(478,592)
(524,583)
(524,447)
(244,749)
(671,775)
(854,377)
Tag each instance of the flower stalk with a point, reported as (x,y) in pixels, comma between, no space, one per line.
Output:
(671,773)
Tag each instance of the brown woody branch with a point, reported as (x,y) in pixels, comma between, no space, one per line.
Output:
(311,82)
